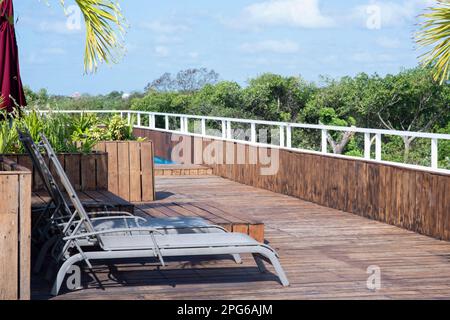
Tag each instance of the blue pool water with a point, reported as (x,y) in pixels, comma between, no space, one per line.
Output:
(162,161)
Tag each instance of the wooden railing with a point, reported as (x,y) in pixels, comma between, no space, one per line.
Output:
(281,133)
(417,200)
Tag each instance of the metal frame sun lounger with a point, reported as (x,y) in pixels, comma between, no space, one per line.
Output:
(141,242)
(61,213)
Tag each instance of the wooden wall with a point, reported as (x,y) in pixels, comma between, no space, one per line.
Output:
(15,229)
(130,169)
(412,199)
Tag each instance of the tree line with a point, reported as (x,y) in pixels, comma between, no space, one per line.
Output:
(408,101)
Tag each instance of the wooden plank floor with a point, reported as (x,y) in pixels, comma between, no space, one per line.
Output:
(325,254)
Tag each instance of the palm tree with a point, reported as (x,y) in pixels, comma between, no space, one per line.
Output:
(104,29)
(435,32)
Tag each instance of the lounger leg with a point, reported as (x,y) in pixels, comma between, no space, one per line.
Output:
(43,253)
(237,258)
(63,271)
(276,264)
(260,263)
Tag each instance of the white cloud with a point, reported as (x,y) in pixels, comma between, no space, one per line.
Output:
(162,51)
(274,46)
(293,13)
(165,28)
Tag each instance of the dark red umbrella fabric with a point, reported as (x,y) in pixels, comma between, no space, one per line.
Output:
(10,82)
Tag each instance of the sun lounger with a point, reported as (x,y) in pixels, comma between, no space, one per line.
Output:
(46,229)
(144,242)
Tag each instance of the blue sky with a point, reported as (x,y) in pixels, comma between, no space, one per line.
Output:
(237,38)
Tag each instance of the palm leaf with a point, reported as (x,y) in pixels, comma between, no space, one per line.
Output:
(105,26)
(435,33)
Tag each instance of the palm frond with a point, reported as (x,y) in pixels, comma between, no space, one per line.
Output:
(105,27)
(435,33)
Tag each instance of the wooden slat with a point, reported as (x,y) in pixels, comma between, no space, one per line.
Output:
(101,162)
(123,167)
(25,236)
(135,171)
(113,167)
(256,231)
(88,172)
(9,240)
(73,169)
(147,167)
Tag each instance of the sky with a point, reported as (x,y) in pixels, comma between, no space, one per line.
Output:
(239,39)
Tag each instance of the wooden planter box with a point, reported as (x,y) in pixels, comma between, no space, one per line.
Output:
(87,172)
(124,168)
(15,229)
(130,169)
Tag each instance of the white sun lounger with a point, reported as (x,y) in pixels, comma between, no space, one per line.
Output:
(141,242)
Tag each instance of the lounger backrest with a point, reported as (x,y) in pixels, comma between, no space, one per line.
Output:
(74,199)
(44,172)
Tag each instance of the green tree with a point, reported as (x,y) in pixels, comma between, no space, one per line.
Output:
(273,97)
(409,101)
(224,99)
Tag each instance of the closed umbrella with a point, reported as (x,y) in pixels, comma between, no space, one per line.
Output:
(10,83)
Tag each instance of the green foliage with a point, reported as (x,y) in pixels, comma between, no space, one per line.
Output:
(66,133)
(118,130)
(272,97)
(444,148)
(435,34)
(7,136)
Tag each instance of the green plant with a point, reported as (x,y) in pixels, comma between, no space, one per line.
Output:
(8,136)
(104,28)
(118,129)
(435,32)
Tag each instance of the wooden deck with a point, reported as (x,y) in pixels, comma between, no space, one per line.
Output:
(325,253)
(182,170)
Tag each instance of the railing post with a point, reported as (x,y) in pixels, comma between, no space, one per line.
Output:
(139,119)
(224,129)
(253,135)
(167,123)
(153,121)
(282,136)
(186,125)
(378,147)
(367,145)
(434,154)
(181,124)
(289,136)
(203,127)
(229,133)
(324,141)
(129,118)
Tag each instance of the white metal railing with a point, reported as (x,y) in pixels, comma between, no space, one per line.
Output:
(284,129)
